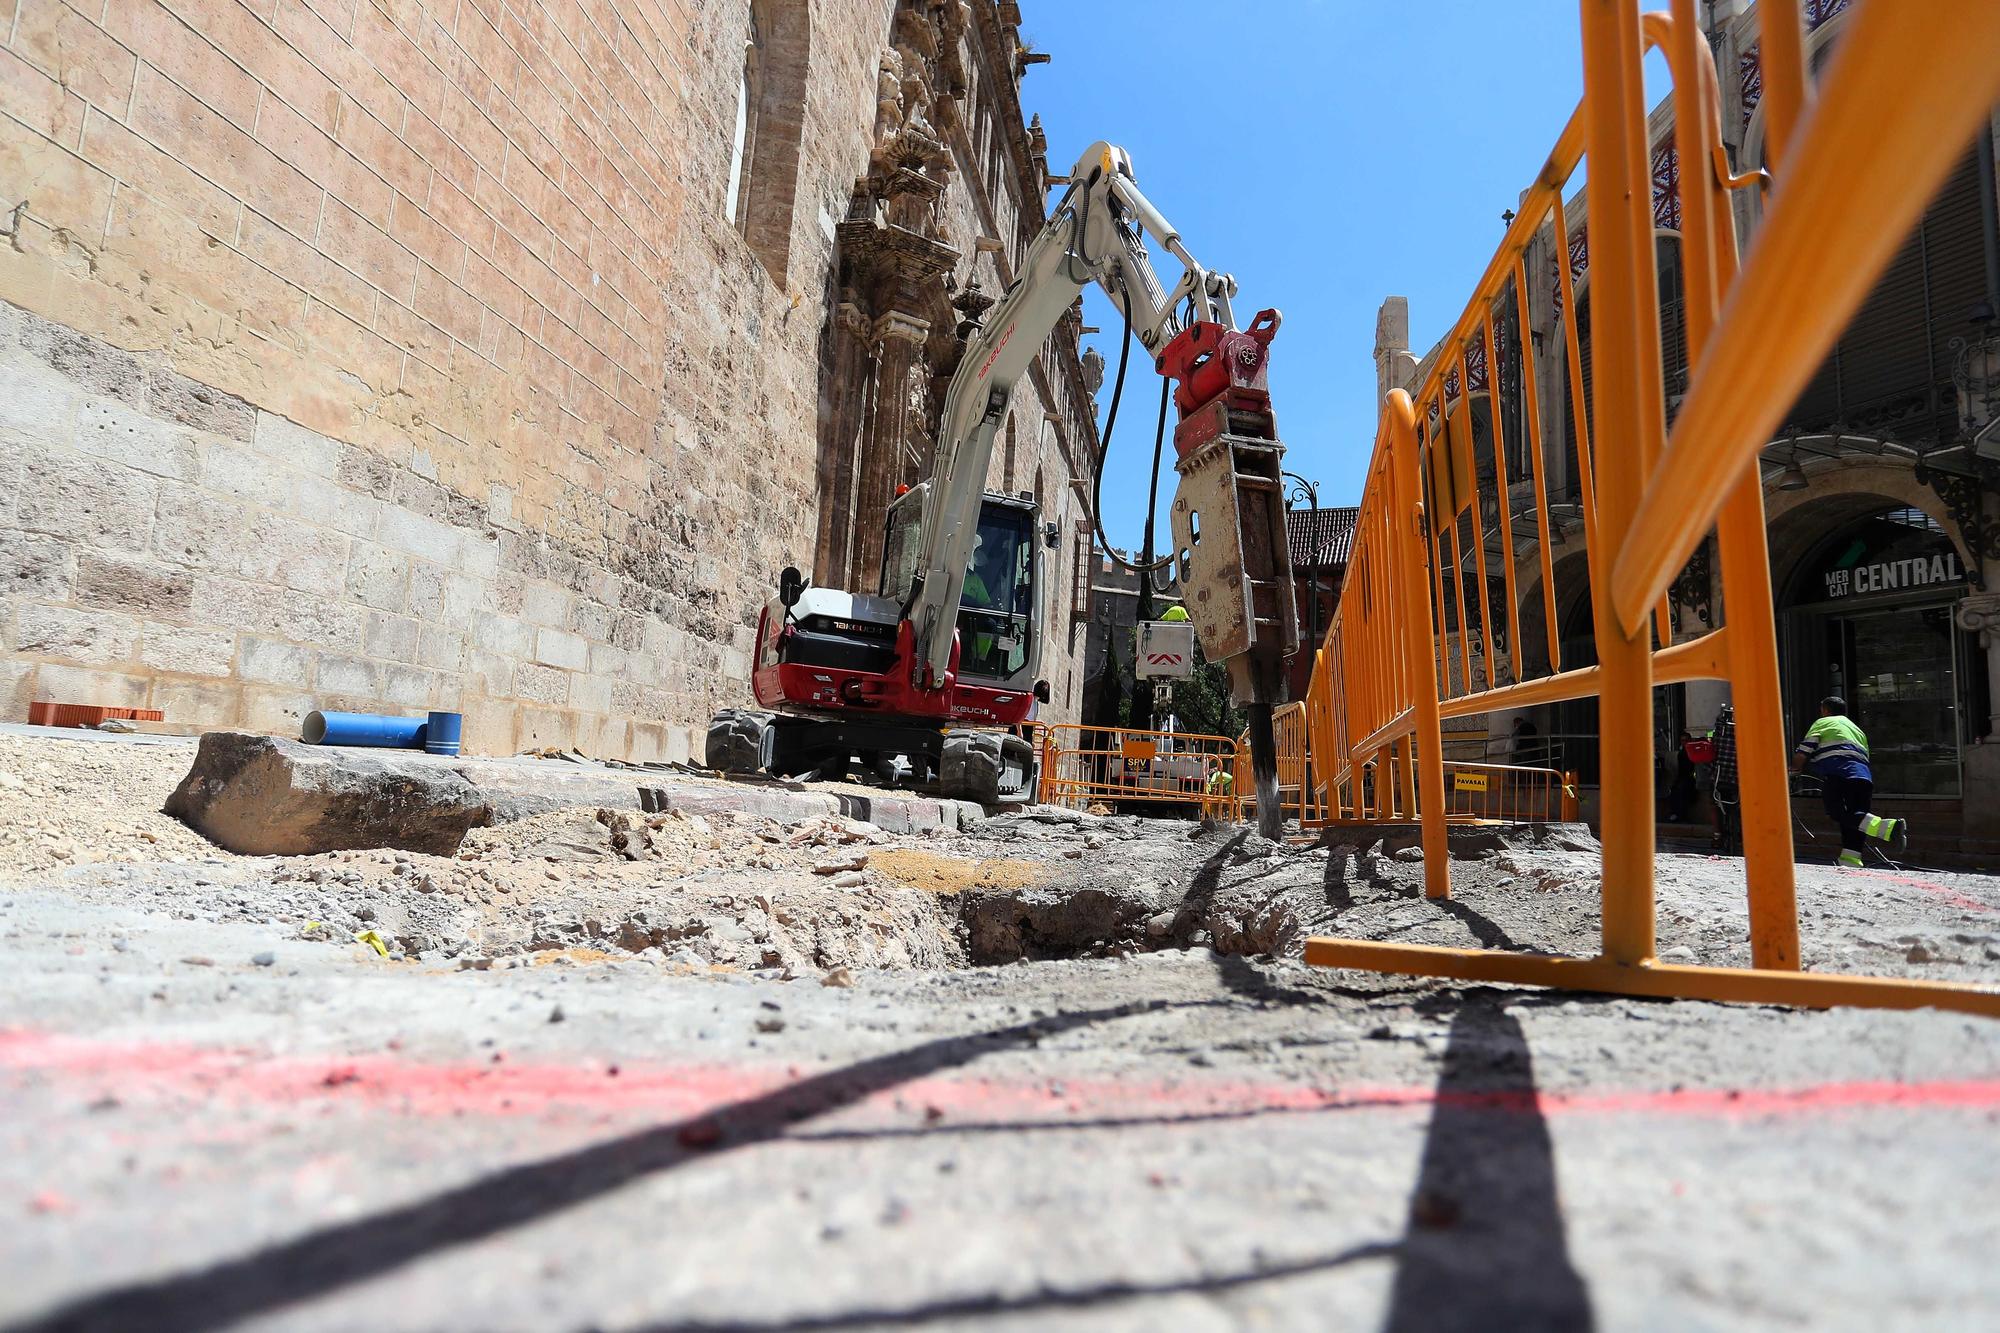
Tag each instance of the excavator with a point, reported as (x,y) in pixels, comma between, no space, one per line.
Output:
(932,677)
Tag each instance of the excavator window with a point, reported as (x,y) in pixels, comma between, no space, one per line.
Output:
(996,607)
(996,610)
(902,545)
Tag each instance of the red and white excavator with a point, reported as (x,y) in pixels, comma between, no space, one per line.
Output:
(938,667)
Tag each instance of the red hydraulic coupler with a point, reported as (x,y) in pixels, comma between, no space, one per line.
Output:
(1223,376)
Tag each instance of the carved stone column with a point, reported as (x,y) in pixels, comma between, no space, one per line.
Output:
(896,435)
(845,391)
(1979,613)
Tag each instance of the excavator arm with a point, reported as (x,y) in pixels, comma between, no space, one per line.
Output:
(1093,236)
(1228,514)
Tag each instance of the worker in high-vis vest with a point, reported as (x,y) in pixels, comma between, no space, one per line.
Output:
(1836,751)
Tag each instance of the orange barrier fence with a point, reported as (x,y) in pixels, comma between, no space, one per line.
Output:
(1449,605)
(1127,769)
(1507,793)
(1300,792)
(1379,789)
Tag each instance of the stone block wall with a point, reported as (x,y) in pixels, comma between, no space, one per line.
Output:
(165,545)
(399,354)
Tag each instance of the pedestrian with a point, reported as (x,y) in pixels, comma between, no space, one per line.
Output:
(1723,799)
(1680,796)
(1836,751)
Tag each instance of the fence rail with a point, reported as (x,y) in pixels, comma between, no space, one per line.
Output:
(1437,514)
(1508,793)
(1117,766)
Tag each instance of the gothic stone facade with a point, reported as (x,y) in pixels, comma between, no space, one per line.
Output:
(483,354)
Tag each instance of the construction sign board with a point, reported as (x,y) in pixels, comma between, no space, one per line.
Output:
(1475,782)
(1166,649)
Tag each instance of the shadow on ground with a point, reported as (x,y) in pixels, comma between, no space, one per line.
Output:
(328,1259)
(1486,1245)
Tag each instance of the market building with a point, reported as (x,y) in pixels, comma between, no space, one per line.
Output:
(1882,489)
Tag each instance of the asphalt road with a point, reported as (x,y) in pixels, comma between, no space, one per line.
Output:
(189,1139)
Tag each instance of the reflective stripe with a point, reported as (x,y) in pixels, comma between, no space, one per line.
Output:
(1880,826)
(1851,859)
(1830,734)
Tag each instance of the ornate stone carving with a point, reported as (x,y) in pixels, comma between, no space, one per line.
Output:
(972,305)
(895,265)
(1965,498)
(1693,591)
(1979,613)
(1093,369)
(888,95)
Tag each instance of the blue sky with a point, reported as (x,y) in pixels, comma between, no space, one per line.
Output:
(1329,153)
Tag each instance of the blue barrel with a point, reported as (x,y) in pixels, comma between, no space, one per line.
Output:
(401,733)
(441,733)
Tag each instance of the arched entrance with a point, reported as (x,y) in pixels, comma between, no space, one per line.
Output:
(1867,615)
(1576,720)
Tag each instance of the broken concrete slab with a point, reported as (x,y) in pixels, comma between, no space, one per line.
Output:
(263,796)
(523,786)
(892,812)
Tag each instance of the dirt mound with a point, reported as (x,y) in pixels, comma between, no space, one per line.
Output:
(948,876)
(66,803)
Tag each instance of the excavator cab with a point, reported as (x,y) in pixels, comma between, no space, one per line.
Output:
(997,633)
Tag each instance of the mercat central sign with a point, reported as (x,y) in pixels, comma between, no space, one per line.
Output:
(1921,571)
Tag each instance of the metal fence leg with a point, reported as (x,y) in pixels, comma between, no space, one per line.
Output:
(1626,353)
(1427,745)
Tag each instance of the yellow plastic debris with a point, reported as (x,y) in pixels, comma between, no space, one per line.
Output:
(374,941)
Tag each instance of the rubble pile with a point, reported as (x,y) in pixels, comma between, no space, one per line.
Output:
(706,887)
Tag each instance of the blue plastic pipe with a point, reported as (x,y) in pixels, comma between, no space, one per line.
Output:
(401,733)
(441,733)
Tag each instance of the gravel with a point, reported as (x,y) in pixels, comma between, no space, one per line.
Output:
(691,1082)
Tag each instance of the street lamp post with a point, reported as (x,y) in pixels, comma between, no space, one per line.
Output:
(1301,489)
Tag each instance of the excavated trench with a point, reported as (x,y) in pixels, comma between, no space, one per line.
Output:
(811,896)
(748,894)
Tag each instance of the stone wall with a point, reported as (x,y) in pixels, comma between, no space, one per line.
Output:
(166,545)
(394,354)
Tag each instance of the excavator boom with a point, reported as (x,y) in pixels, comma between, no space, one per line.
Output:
(1228,512)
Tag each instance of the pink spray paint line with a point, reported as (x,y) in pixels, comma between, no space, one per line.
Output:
(399,1086)
(1938,891)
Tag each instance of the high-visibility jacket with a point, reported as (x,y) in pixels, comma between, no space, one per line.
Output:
(1175,613)
(1835,748)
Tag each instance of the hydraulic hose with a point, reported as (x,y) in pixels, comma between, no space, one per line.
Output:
(1104,453)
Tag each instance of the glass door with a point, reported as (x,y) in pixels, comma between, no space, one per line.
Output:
(1898,671)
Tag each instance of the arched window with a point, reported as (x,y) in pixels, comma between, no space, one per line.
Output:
(749,101)
(770,119)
